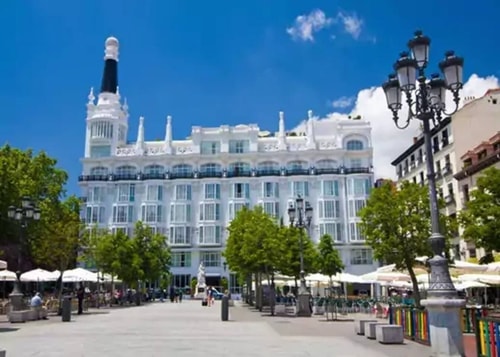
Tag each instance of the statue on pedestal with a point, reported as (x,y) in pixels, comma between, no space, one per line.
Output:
(201,284)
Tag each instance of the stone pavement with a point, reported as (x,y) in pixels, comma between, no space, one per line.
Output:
(188,329)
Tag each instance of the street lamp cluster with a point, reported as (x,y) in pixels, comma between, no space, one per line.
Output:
(300,216)
(27,212)
(426,101)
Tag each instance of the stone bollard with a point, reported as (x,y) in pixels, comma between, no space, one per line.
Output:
(224,308)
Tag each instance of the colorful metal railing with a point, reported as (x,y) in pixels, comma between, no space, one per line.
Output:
(488,337)
(415,323)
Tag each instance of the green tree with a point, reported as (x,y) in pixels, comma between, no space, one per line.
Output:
(253,245)
(481,217)
(153,252)
(23,173)
(61,222)
(329,260)
(289,263)
(396,224)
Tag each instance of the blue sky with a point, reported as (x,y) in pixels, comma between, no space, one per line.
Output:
(217,62)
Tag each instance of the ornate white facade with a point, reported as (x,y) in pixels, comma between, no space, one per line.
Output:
(190,189)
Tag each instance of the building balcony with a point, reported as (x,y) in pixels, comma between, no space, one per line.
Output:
(94,178)
(126,177)
(327,171)
(210,174)
(357,170)
(180,242)
(239,173)
(298,171)
(270,172)
(180,175)
(153,176)
(446,170)
(449,199)
(210,243)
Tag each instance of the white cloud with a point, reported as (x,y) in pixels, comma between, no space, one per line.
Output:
(388,141)
(305,26)
(343,102)
(352,24)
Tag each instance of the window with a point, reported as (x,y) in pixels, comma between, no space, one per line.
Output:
(445,140)
(212,191)
(270,189)
(183,192)
(94,214)
(239,169)
(435,144)
(356,163)
(182,280)
(210,235)
(100,151)
(239,146)
(182,170)
(355,145)
(211,259)
(209,211)
(355,206)
(334,230)
(300,188)
(154,193)
(330,188)
(438,167)
(120,230)
(181,260)
(465,190)
(210,147)
(359,187)
(240,190)
(272,209)
(180,235)
(450,190)
(296,165)
(329,209)
(96,194)
(125,192)
(234,208)
(326,164)
(210,168)
(268,166)
(126,171)
(421,177)
(361,256)
(153,169)
(123,214)
(152,213)
(99,171)
(355,232)
(180,213)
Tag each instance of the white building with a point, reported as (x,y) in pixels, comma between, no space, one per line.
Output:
(190,189)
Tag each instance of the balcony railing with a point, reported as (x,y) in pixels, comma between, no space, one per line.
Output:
(225,174)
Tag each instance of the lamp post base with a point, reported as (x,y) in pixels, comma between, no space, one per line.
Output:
(445,331)
(303,307)
(16,301)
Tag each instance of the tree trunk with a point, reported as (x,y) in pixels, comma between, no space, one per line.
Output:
(413,277)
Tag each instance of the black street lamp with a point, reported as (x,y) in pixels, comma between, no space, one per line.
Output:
(425,98)
(301,216)
(27,212)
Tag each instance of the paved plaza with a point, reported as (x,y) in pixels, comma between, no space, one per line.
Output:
(188,329)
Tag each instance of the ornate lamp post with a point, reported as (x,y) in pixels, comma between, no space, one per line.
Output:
(22,215)
(425,98)
(301,216)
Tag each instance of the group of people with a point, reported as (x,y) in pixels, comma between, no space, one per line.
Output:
(210,298)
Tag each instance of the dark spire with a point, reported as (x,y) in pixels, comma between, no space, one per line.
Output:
(109,82)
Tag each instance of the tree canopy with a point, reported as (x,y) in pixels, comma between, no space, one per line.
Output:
(252,245)
(24,173)
(481,216)
(290,238)
(396,224)
(329,260)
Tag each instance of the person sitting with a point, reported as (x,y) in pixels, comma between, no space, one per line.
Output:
(37,305)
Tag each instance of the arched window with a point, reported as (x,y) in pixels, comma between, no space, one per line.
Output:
(99,171)
(126,170)
(182,169)
(296,165)
(210,168)
(153,169)
(239,169)
(268,166)
(326,164)
(354,145)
